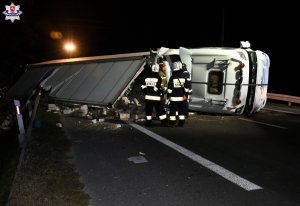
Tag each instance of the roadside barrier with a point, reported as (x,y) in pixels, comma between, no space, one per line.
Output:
(282,97)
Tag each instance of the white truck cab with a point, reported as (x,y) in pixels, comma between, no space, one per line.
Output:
(225,80)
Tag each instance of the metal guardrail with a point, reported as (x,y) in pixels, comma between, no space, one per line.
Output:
(282,97)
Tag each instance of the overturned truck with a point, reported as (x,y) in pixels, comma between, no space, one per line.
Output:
(224,80)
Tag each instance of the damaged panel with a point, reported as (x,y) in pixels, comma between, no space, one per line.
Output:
(97,83)
(115,81)
(29,81)
(76,82)
(96,72)
(60,77)
(98,80)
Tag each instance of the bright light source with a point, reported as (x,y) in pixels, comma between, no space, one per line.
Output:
(70,47)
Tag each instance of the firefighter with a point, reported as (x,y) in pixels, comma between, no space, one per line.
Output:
(162,74)
(178,90)
(153,94)
(189,85)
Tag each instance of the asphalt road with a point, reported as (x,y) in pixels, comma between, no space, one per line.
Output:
(212,160)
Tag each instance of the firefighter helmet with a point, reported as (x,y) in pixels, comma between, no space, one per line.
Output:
(155,67)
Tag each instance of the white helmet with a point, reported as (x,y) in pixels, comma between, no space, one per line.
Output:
(176,66)
(155,67)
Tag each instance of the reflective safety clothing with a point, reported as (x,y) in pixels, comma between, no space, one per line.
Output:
(153,96)
(178,88)
(189,93)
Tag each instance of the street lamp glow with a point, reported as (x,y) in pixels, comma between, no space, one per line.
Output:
(70,47)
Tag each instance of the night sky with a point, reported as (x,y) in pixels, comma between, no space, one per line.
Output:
(111,27)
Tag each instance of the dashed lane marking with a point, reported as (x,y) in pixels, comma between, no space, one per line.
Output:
(271,125)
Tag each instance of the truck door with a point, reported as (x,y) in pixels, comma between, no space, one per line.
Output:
(208,79)
(216,80)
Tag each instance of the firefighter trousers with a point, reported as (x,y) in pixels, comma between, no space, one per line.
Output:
(160,111)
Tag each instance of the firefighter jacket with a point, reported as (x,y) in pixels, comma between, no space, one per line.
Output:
(164,83)
(178,86)
(152,87)
(189,80)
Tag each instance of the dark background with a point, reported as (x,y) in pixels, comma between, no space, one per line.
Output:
(111,27)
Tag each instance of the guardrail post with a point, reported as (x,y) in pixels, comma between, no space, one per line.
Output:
(20,122)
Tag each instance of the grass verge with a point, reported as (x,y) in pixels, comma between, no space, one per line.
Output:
(47,176)
(9,156)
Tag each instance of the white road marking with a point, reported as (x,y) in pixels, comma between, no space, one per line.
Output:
(296,112)
(243,183)
(272,125)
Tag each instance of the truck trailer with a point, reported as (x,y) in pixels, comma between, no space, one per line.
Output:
(224,80)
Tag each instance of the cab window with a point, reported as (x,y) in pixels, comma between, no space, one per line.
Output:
(215,82)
